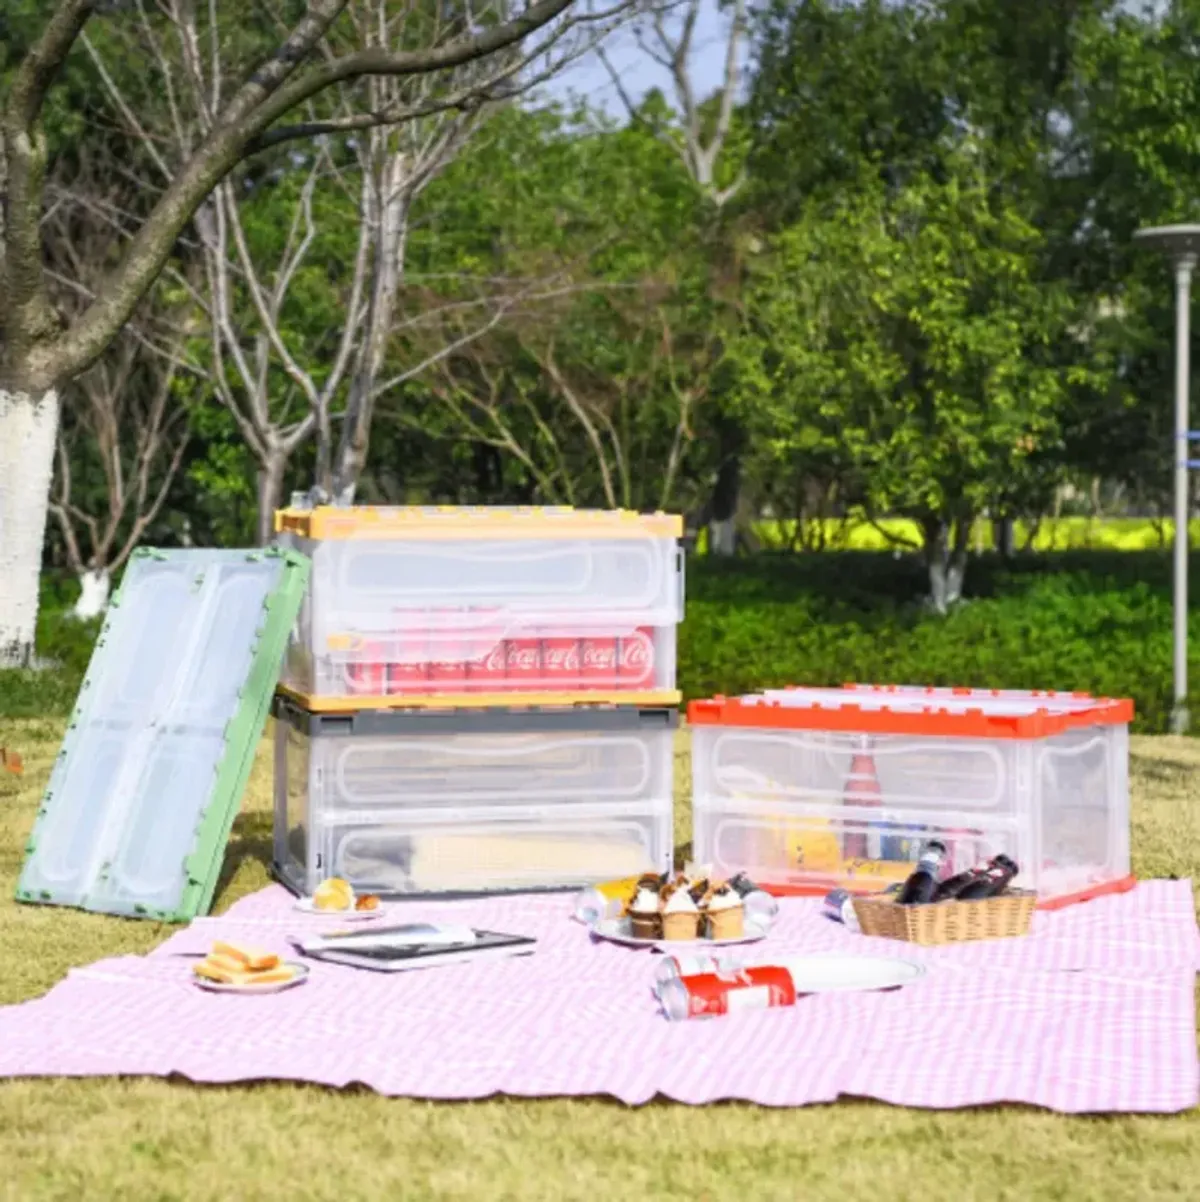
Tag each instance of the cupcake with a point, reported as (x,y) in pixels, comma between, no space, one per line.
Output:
(680,915)
(726,914)
(645,921)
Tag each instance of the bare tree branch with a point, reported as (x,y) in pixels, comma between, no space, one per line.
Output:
(503,307)
(126,111)
(568,394)
(267,96)
(635,418)
(43,62)
(139,430)
(25,312)
(503,438)
(494,89)
(700,154)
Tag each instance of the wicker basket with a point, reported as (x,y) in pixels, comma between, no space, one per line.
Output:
(1000,917)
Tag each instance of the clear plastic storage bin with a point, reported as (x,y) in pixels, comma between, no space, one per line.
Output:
(809,789)
(471,802)
(478,606)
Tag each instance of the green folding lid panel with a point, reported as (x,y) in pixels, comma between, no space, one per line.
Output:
(151,773)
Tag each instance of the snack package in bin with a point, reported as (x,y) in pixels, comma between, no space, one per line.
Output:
(813,847)
(877,874)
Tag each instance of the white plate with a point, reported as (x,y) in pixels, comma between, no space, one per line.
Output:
(300,971)
(617,930)
(305,906)
(847,974)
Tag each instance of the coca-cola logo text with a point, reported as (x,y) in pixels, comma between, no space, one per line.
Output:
(600,656)
(561,656)
(637,653)
(522,658)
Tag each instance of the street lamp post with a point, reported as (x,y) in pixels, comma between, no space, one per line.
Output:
(1182,244)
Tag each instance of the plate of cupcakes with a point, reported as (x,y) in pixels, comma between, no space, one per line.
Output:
(672,911)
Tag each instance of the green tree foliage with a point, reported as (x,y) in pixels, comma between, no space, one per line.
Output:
(593,388)
(923,302)
(905,337)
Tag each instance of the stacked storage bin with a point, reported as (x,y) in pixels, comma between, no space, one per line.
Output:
(478,700)
(810,789)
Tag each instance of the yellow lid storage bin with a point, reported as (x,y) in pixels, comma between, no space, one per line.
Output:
(415,607)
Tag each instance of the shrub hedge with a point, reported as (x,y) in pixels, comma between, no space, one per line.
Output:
(1090,620)
(1099,622)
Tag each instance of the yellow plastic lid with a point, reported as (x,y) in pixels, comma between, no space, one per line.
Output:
(470,522)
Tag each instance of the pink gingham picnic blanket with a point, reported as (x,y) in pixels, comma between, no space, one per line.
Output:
(1093,1012)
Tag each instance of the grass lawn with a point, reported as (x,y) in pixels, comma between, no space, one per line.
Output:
(150,1139)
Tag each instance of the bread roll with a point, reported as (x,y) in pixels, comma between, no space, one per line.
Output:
(333,894)
(249,959)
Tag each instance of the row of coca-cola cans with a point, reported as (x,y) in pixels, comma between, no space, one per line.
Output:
(543,661)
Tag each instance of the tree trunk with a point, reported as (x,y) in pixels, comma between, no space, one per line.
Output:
(28,432)
(722,536)
(936,560)
(1003,537)
(94,586)
(391,210)
(1060,495)
(946,560)
(270,495)
(727,489)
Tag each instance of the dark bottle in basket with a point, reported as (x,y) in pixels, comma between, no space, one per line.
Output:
(920,887)
(952,886)
(992,881)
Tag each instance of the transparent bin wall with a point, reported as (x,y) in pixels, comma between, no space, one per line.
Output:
(292,831)
(1082,819)
(918,777)
(806,807)
(564,848)
(400,617)
(401,813)
(778,847)
(459,773)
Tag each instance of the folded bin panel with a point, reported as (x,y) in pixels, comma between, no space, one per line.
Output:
(154,763)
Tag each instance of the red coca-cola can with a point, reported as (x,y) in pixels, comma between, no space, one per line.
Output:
(489,674)
(598,663)
(448,652)
(408,670)
(562,661)
(483,639)
(366,675)
(712,994)
(635,666)
(522,664)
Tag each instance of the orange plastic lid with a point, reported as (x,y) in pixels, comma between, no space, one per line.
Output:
(907,710)
(473,522)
